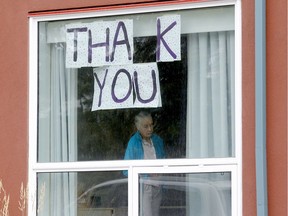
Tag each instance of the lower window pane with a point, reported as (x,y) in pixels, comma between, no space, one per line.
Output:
(194,194)
(83,193)
(106,193)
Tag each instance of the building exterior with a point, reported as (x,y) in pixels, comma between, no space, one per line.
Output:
(225,134)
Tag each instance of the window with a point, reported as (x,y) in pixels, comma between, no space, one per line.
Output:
(91,73)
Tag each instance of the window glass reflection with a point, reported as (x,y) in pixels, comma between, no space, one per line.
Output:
(83,193)
(185,194)
(106,193)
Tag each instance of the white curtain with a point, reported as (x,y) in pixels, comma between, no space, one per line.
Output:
(60,192)
(210,95)
(210,132)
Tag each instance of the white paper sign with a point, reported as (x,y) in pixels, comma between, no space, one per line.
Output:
(99,43)
(116,86)
(168,38)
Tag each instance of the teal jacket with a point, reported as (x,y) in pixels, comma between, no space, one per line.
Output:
(134,150)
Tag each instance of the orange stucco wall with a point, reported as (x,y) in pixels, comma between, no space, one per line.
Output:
(52,5)
(248,113)
(277,106)
(14,100)
(14,96)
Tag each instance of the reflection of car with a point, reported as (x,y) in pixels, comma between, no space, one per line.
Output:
(109,194)
(205,197)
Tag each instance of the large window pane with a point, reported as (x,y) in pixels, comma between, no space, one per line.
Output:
(196,118)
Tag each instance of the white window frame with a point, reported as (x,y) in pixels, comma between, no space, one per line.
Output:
(233,164)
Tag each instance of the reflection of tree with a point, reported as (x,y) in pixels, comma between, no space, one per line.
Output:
(171,119)
(103,135)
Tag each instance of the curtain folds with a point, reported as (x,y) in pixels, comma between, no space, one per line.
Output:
(60,196)
(209,95)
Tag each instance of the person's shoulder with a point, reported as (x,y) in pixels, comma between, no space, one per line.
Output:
(156,137)
(134,137)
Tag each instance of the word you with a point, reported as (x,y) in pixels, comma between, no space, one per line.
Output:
(111,42)
(128,86)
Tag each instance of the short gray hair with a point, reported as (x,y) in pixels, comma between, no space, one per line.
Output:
(141,115)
